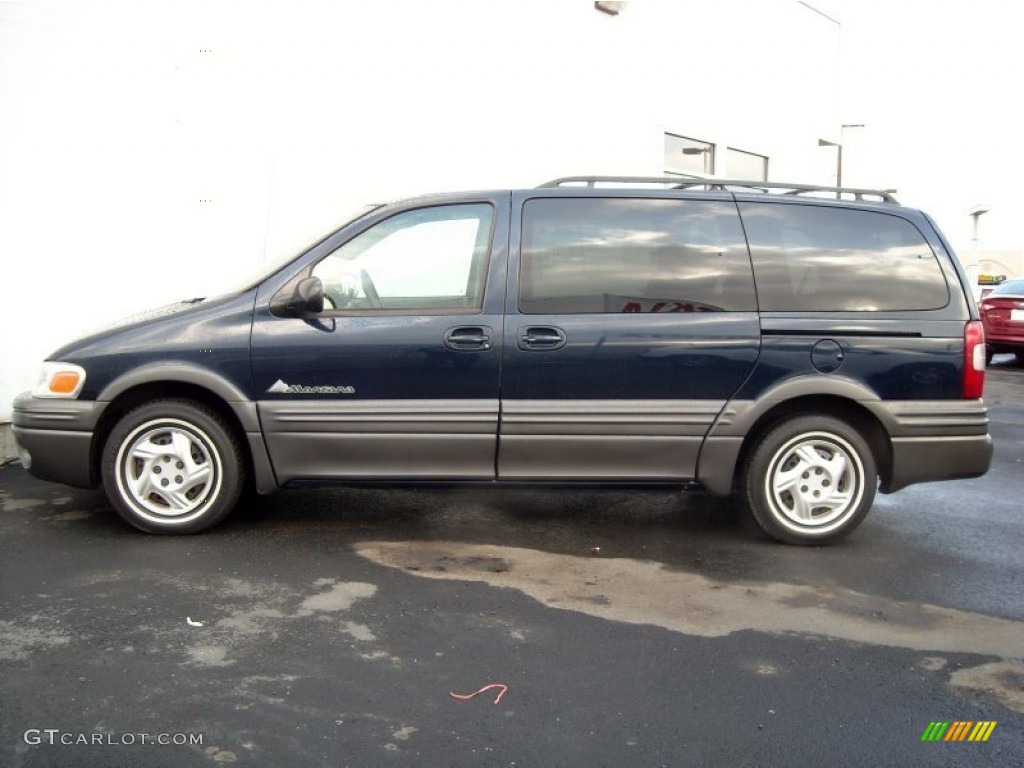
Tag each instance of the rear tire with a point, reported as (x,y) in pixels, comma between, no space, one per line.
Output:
(810,480)
(172,467)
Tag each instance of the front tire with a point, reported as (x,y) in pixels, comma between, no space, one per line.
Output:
(172,467)
(810,480)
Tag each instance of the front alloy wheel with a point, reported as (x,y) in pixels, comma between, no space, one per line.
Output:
(172,466)
(811,480)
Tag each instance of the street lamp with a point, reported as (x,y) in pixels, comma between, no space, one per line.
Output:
(839,150)
(708,152)
(974,268)
(610,7)
(839,160)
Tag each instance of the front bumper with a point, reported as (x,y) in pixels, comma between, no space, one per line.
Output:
(55,438)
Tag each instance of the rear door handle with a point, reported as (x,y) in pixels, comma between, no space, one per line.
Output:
(468,338)
(541,338)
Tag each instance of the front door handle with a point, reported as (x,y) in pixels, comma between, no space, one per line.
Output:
(541,338)
(469,338)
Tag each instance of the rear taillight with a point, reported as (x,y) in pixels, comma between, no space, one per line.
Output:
(974,360)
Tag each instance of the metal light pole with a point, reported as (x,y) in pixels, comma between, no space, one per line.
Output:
(842,140)
(974,268)
(707,152)
(839,158)
(838,91)
(839,150)
(839,161)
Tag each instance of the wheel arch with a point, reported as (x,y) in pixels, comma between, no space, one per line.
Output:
(140,387)
(172,374)
(850,411)
(724,456)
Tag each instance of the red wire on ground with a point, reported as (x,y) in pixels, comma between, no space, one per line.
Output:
(468,696)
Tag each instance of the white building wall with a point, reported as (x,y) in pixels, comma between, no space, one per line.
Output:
(150,153)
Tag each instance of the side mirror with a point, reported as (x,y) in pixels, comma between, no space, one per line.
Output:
(307,298)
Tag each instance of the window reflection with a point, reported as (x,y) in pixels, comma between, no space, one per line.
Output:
(820,259)
(639,255)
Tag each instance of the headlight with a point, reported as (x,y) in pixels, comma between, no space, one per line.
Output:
(63,380)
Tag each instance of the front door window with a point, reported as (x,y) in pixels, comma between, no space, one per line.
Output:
(430,259)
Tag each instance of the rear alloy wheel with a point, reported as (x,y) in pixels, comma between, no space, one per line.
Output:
(172,466)
(810,480)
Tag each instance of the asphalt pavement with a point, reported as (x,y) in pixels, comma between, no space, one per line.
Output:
(331,627)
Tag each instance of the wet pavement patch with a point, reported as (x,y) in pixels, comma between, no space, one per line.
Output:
(1004,680)
(643,592)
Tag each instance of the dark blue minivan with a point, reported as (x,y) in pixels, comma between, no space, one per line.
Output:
(798,350)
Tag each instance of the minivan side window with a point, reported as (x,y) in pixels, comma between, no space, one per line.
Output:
(810,258)
(425,259)
(611,255)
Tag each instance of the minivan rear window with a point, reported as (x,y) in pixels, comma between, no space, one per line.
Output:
(813,258)
(642,255)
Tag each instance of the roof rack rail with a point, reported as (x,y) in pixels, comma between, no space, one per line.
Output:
(724,185)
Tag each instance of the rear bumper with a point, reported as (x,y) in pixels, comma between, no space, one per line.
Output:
(1006,335)
(934,440)
(925,459)
(55,438)
(1009,343)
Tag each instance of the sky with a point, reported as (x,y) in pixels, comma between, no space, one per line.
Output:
(938,86)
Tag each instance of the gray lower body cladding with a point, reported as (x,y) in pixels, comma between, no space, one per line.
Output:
(564,440)
(57,440)
(517,440)
(929,440)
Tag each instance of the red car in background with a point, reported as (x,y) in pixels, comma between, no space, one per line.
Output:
(1002,313)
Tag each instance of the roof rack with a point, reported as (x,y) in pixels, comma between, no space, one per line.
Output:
(724,185)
